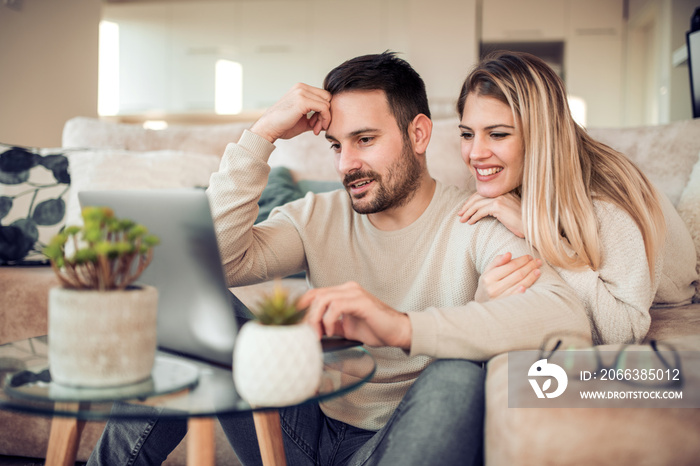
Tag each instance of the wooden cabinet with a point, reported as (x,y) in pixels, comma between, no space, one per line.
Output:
(524,20)
(595,18)
(594,58)
(549,20)
(590,32)
(593,71)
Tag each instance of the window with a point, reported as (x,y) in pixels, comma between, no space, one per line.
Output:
(228,93)
(108,77)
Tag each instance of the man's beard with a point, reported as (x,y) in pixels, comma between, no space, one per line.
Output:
(395,190)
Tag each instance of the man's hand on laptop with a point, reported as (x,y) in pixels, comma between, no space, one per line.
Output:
(351,312)
(289,117)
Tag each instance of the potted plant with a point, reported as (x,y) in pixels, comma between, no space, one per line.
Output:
(277,359)
(102,327)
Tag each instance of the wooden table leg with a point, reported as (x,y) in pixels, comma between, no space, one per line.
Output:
(64,438)
(269,430)
(200,441)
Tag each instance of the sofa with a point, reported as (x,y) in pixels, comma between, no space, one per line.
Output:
(104,155)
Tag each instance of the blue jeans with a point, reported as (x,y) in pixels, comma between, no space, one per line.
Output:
(440,420)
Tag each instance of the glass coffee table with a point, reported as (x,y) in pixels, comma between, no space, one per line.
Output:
(184,388)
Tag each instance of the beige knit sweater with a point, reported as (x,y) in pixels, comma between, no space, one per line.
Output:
(619,294)
(429,270)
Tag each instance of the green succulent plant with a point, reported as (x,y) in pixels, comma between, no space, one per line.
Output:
(277,308)
(109,253)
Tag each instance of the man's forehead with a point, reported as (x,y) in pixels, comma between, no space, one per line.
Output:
(359,98)
(358,111)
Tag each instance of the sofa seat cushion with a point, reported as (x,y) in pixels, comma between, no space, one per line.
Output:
(672,322)
(24,296)
(575,436)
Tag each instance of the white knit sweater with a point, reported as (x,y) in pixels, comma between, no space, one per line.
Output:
(429,270)
(619,294)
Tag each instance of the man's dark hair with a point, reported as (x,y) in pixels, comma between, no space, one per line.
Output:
(403,86)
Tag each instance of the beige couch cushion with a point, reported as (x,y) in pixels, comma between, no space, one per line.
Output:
(92,133)
(444,155)
(665,153)
(106,169)
(689,210)
(307,156)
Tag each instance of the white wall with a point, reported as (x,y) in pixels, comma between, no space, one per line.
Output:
(681,108)
(48,67)
(594,58)
(656,92)
(168,50)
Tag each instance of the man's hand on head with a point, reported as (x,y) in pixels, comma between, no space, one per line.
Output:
(349,311)
(289,116)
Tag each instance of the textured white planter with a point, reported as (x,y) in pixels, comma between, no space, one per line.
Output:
(277,365)
(102,338)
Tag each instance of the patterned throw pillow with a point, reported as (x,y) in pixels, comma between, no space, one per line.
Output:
(33,187)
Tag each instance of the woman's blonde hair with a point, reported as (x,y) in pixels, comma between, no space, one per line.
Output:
(564,169)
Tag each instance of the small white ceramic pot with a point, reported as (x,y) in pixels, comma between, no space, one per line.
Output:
(277,365)
(102,338)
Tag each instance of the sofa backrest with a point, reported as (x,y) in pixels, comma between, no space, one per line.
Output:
(310,157)
(665,153)
(669,156)
(93,133)
(307,156)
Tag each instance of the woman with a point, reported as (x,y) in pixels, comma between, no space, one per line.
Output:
(588,211)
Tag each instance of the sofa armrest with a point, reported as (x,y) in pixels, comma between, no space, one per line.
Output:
(24,294)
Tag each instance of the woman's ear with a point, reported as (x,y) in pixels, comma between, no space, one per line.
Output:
(419,131)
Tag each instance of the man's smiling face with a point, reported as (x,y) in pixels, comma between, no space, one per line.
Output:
(375,161)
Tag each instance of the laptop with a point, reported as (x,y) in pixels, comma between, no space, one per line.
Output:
(196,310)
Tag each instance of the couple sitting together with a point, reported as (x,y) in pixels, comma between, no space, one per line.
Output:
(563,235)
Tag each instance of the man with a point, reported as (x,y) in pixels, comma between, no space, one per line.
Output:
(389,263)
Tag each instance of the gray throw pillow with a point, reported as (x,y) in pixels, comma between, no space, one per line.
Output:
(281,189)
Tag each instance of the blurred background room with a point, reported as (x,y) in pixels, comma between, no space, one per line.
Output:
(207,61)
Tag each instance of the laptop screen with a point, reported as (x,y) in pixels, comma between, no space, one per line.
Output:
(195,311)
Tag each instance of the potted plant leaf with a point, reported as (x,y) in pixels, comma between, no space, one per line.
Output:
(277,359)
(102,327)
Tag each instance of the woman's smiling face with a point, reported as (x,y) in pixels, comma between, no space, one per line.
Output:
(492,145)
